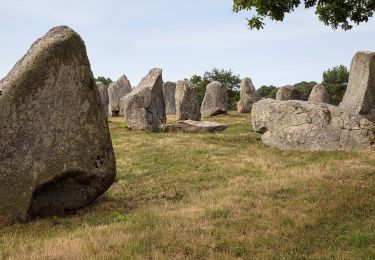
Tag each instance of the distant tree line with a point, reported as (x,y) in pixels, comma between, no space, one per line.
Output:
(335,80)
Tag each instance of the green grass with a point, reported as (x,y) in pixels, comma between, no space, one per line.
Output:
(218,196)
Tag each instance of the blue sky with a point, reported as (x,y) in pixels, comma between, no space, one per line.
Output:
(184,38)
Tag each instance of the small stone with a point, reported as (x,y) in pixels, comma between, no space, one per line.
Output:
(288,93)
(319,94)
(249,96)
(144,106)
(187,102)
(215,100)
(104,96)
(116,91)
(169,91)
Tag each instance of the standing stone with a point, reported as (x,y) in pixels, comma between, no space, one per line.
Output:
(359,97)
(144,106)
(249,96)
(116,91)
(169,91)
(319,94)
(104,96)
(288,93)
(55,148)
(187,102)
(215,100)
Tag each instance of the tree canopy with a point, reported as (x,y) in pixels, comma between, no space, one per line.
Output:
(104,80)
(335,13)
(336,80)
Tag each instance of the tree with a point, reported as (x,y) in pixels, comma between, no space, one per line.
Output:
(305,88)
(105,81)
(336,80)
(225,77)
(267,91)
(335,13)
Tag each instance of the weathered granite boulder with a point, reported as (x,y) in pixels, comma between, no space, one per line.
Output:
(249,96)
(144,106)
(300,125)
(116,91)
(319,94)
(215,100)
(187,102)
(359,97)
(190,126)
(288,93)
(55,148)
(104,96)
(169,92)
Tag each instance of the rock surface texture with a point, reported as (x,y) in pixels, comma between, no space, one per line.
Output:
(215,100)
(116,91)
(299,125)
(288,93)
(187,102)
(169,92)
(55,148)
(249,96)
(190,126)
(144,106)
(319,94)
(104,96)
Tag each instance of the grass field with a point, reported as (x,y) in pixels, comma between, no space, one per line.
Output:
(217,196)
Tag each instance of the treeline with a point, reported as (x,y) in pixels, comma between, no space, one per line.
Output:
(335,80)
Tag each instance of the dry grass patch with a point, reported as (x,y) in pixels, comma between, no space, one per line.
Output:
(218,196)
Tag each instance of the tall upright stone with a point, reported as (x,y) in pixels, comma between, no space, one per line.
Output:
(215,100)
(56,153)
(104,96)
(359,97)
(169,91)
(116,91)
(249,96)
(187,102)
(144,106)
(319,94)
(288,93)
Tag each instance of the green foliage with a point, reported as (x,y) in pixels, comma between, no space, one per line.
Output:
(336,80)
(305,88)
(334,13)
(104,80)
(225,77)
(117,217)
(268,91)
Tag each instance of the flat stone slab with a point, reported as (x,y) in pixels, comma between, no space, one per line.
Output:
(190,126)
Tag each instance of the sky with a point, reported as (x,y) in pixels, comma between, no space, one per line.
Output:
(183,38)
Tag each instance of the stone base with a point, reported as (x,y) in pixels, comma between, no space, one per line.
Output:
(190,126)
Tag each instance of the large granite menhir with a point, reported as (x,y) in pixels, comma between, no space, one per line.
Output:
(116,92)
(187,102)
(56,153)
(249,96)
(215,100)
(144,106)
(299,125)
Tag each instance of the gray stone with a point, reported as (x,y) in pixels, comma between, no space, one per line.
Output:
(187,102)
(319,94)
(300,125)
(144,106)
(55,148)
(288,93)
(359,97)
(215,100)
(249,96)
(190,126)
(169,92)
(104,96)
(116,91)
